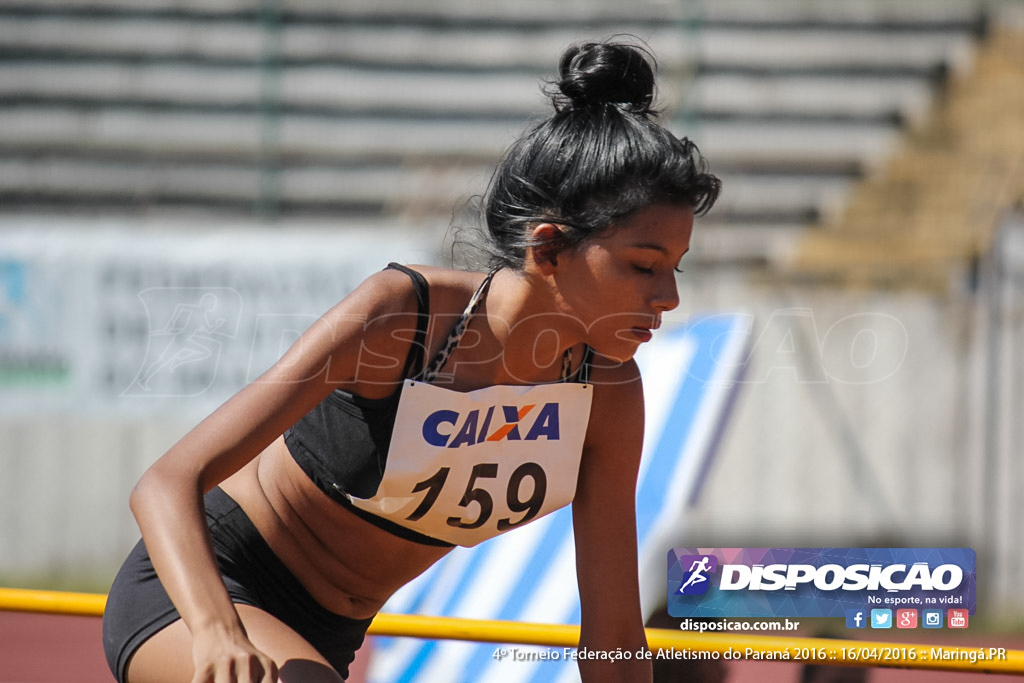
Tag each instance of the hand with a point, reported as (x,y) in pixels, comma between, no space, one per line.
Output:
(231,659)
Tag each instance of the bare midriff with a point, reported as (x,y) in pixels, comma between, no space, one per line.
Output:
(349,566)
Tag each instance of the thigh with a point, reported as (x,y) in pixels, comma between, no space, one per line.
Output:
(167,656)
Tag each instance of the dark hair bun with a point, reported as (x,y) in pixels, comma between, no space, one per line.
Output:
(595,74)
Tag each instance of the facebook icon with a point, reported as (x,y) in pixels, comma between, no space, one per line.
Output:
(855,618)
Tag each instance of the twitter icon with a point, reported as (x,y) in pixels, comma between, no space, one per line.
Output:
(881,618)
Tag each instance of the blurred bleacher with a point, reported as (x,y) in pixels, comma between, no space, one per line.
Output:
(931,218)
(354,111)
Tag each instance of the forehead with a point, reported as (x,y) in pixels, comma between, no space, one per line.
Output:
(662,226)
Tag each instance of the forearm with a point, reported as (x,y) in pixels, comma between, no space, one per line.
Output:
(171,515)
(168,503)
(604,524)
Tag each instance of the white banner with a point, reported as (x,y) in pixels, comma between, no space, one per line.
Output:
(139,321)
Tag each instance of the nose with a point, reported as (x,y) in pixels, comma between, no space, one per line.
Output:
(666,295)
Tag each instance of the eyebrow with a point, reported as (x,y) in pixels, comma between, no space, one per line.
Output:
(655,247)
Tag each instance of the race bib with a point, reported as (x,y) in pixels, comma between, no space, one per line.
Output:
(463,467)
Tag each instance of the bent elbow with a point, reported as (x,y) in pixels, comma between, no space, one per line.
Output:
(141,493)
(155,489)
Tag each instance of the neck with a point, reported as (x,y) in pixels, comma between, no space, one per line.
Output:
(528,327)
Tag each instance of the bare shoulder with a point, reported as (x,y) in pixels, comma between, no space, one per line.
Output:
(449,291)
(617,411)
(386,291)
(370,331)
(615,382)
(449,284)
(391,291)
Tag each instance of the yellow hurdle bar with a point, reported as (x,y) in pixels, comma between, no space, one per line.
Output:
(52,602)
(727,645)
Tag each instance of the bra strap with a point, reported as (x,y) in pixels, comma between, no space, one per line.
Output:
(419,343)
(582,373)
(431,372)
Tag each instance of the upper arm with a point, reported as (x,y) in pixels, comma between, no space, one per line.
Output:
(614,441)
(604,510)
(358,343)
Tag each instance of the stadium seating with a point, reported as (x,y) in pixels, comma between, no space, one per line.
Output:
(398,110)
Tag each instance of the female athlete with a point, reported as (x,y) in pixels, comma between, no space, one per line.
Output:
(433,408)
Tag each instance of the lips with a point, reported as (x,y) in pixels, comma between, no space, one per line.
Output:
(646,332)
(642,333)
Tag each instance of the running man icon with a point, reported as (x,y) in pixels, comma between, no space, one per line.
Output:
(189,328)
(698,571)
(188,334)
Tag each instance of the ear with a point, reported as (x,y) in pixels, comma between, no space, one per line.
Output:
(548,240)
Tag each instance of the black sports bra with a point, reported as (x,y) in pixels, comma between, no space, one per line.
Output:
(342,444)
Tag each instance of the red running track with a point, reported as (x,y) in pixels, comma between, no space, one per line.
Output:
(44,648)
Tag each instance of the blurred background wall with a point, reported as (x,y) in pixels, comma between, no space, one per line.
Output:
(185,185)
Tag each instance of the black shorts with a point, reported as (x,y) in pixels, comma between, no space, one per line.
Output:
(138,607)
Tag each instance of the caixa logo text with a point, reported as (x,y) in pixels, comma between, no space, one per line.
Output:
(830,577)
(448,428)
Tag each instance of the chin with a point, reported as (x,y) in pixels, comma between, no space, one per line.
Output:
(620,351)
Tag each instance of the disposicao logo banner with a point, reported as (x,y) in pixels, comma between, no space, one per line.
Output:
(817,582)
